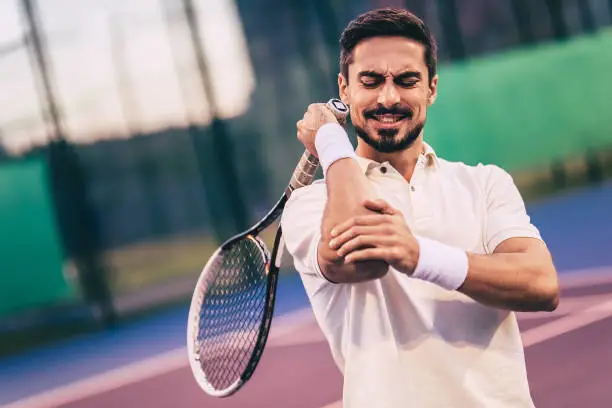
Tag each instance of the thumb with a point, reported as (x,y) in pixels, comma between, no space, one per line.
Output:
(380,205)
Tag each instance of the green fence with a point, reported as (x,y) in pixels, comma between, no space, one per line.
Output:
(523,109)
(30,253)
(520,109)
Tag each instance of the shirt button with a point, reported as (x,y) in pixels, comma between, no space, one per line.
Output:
(383,169)
(412,188)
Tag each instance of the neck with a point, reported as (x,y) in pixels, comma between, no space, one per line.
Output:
(403,161)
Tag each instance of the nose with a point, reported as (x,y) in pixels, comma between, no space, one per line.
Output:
(388,95)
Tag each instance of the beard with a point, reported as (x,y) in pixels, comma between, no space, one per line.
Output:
(388,141)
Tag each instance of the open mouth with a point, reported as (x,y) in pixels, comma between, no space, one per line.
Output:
(389,119)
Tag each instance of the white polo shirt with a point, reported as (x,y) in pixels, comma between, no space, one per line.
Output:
(403,342)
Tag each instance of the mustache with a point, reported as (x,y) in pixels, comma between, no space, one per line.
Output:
(381,110)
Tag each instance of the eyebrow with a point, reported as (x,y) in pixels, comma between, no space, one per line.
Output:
(400,76)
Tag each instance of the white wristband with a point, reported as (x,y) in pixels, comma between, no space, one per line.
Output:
(332,144)
(441,264)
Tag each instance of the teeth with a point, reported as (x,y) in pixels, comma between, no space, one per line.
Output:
(388,119)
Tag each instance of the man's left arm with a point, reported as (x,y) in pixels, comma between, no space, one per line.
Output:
(519,275)
(517,271)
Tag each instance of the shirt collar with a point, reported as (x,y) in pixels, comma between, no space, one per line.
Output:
(428,157)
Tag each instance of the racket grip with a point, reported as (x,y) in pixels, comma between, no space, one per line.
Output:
(305,171)
(307,167)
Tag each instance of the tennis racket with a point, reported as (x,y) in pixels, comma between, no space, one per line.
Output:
(233,301)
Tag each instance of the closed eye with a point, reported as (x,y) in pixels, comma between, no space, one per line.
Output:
(407,83)
(370,79)
(370,82)
(408,79)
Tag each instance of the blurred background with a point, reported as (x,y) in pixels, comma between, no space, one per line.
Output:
(137,135)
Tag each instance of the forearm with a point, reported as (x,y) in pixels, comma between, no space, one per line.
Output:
(521,281)
(347,189)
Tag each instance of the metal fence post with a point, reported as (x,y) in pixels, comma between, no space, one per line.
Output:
(222,147)
(76,216)
(453,37)
(555,9)
(586,16)
(523,22)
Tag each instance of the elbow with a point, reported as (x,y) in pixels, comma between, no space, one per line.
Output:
(548,294)
(335,270)
(550,300)
(355,272)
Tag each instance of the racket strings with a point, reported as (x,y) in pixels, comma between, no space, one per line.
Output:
(233,302)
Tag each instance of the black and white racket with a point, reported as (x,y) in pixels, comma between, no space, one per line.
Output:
(233,302)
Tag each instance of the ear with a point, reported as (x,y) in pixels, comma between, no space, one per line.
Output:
(343,89)
(433,90)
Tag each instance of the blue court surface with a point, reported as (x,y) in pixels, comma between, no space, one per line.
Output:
(577,226)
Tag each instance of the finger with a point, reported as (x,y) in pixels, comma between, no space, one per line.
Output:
(306,141)
(364,241)
(330,115)
(311,149)
(362,220)
(380,206)
(355,231)
(309,122)
(368,254)
(319,114)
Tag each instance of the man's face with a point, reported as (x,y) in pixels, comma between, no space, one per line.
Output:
(388,91)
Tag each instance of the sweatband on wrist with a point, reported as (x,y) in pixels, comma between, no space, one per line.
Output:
(332,144)
(441,264)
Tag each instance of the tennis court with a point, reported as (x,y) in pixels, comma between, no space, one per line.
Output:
(144,364)
(567,352)
(135,136)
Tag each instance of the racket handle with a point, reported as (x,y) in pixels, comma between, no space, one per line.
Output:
(305,171)
(307,167)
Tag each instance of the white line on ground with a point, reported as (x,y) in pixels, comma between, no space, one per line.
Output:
(337,404)
(142,370)
(285,325)
(107,381)
(568,323)
(553,329)
(586,277)
(566,306)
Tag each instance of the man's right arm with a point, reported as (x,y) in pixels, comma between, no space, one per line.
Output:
(347,189)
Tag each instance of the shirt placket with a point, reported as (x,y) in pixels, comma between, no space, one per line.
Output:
(422,207)
(393,188)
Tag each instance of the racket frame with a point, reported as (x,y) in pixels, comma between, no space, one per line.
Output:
(264,328)
(302,176)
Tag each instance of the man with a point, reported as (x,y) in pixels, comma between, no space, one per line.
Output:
(413,264)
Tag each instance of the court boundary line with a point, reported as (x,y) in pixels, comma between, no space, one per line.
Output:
(585,277)
(566,324)
(551,330)
(142,370)
(569,305)
(282,325)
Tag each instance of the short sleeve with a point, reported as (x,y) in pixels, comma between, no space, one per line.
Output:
(301,224)
(505,210)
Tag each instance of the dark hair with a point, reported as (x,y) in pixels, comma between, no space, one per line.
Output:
(387,22)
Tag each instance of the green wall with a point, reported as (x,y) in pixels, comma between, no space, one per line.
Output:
(30,251)
(523,108)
